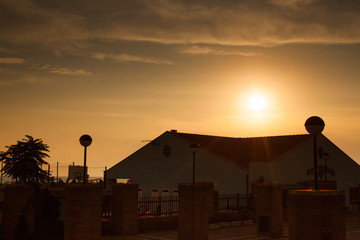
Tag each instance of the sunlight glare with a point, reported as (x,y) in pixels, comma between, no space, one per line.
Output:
(256,102)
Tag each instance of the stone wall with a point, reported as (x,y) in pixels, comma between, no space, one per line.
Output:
(19,211)
(83,212)
(268,208)
(196,206)
(125,209)
(316,215)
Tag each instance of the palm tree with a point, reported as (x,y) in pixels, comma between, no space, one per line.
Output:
(23,160)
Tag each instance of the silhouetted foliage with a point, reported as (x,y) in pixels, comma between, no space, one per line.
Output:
(23,160)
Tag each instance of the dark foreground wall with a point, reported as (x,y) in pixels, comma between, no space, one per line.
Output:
(316,215)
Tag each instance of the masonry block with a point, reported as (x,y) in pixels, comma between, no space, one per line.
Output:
(316,214)
(268,207)
(125,209)
(83,203)
(19,215)
(196,205)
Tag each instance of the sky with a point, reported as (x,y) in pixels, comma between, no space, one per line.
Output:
(126,71)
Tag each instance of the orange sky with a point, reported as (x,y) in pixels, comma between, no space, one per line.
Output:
(126,71)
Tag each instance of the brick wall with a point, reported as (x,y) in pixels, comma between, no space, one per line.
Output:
(83,212)
(316,214)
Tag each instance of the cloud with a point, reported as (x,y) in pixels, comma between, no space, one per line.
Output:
(67,71)
(131,58)
(12,60)
(74,25)
(206,50)
(64,70)
(295,4)
(21,80)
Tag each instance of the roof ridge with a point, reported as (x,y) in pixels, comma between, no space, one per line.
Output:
(287,135)
(208,135)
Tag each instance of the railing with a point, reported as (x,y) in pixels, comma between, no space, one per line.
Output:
(157,206)
(106,206)
(354,197)
(232,202)
(168,205)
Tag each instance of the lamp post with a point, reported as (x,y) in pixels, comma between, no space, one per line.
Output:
(315,125)
(194,147)
(1,172)
(85,141)
(325,156)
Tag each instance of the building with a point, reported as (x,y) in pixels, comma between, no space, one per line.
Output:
(233,163)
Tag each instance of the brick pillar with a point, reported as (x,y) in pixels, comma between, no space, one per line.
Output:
(316,214)
(83,212)
(19,212)
(125,209)
(268,207)
(195,208)
(216,201)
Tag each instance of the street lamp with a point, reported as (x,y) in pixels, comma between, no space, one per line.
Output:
(1,171)
(85,141)
(194,147)
(325,156)
(315,125)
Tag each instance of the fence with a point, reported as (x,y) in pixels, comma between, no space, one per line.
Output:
(160,206)
(157,206)
(232,202)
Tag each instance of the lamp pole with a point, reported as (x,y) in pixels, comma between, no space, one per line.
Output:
(194,147)
(1,171)
(315,125)
(325,156)
(85,141)
(316,181)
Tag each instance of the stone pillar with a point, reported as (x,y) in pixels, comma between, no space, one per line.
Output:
(268,208)
(125,209)
(19,212)
(195,208)
(316,214)
(83,211)
(216,201)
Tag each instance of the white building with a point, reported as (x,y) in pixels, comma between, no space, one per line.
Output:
(233,163)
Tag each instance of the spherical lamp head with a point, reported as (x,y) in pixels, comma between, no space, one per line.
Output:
(85,140)
(314,125)
(194,147)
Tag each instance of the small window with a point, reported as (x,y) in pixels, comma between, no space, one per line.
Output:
(167,150)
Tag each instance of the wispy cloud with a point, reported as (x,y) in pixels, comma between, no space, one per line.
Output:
(64,70)
(58,26)
(67,71)
(21,80)
(205,50)
(132,58)
(12,60)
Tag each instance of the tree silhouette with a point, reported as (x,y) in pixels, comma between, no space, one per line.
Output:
(23,160)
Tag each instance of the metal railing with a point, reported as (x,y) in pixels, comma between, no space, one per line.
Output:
(232,202)
(157,206)
(168,205)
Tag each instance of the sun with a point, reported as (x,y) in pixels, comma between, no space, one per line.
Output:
(256,102)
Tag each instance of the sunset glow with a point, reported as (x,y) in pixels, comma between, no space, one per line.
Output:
(257,102)
(127,71)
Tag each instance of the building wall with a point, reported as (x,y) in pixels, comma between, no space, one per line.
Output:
(288,169)
(292,167)
(152,169)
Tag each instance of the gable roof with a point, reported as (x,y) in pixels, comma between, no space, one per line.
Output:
(242,151)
